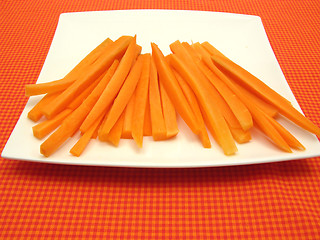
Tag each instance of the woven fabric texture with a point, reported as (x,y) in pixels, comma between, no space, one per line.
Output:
(267,201)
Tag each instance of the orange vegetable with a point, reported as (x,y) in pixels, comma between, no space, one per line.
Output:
(237,107)
(84,140)
(116,131)
(62,84)
(112,52)
(124,95)
(173,89)
(211,49)
(147,128)
(255,85)
(140,103)
(193,102)
(169,113)
(128,119)
(44,128)
(205,95)
(111,91)
(36,112)
(158,125)
(72,123)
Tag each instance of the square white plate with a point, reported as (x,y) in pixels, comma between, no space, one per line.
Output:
(241,37)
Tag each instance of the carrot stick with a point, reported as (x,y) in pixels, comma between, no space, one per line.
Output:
(62,84)
(237,107)
(36,112)
(193,102)
(84,140)
(112,52)
(169,113)
(236,88)
(173,89)
(111,91)
(124,95)
(259,116)
(147,128)
(159,131)
(255,85)
(128,119)
(140,102)
(44,128)
(82,96)
(115,133)
(211,49)
(205,94)
(239,110)
(72,123)
(287,136)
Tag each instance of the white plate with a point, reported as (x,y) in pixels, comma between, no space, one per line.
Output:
(240,37)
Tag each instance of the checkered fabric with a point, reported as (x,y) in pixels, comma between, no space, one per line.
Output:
(267,201)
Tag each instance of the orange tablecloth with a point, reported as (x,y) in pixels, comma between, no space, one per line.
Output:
(267,201)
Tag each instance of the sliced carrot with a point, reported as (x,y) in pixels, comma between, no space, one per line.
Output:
(84,140)
(205,94)
(173,89)
(211,49)
(83,95)
(115,133)
(140,103)
(169,113)
(124,95)
(147,128)
(72,123)
(264,106)
(112,52)
(240,111)
(44,128)
(255,85)
(128,116)
(287,136)
(36,112)
(62,84)
(193,102)
(111,91)
(158,125)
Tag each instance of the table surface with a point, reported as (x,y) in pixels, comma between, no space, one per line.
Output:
(266,201)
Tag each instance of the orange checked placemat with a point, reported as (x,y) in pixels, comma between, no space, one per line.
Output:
(265,201)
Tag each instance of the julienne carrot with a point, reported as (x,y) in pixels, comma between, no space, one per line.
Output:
(62,84)
(158,125)
(287,136)
(112,52)
(44,128)
(36,112)
(116,92)
(236,88)
(128,119)
(205,94)
(112,89)
(193,102)
(124,95)
(147,129)
(140,102)
(84,140)
(76,102)
(211,49)
(237,107)
(173,89)
(72,123)
(261,89)
(169,113)
(115,133)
